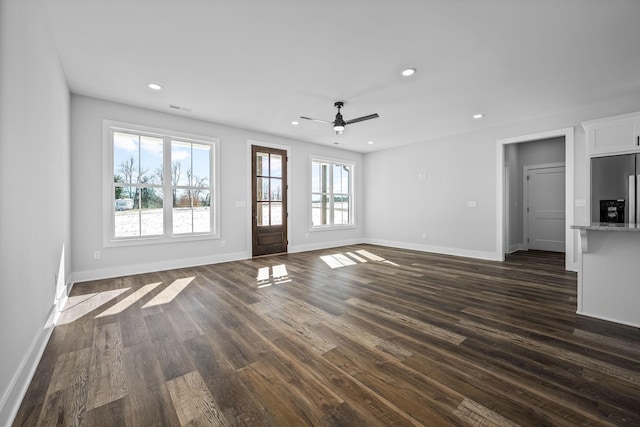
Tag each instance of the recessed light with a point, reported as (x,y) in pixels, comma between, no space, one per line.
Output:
(408,72)
(370,142)
(294,123)
(154,86)
(478,116)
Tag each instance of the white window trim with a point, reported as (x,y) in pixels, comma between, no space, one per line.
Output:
(352,192)
(108,212)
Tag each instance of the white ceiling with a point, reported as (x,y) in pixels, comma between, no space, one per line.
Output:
(260,64)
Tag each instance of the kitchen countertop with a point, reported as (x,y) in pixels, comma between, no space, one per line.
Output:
(607,226)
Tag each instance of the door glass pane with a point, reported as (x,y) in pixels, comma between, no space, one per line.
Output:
(126,156)
(182,213)
(180,163)
(276,165)
(151,154)
(319,209)
(263,213)
(262,164)
(276,189)
(341,210)
(262,189)
(276,213)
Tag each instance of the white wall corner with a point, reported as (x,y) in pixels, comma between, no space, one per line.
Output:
(515,248)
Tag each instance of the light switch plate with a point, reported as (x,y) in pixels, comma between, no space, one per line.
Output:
(472,204)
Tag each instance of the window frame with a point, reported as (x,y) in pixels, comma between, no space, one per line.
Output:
(352,196)
(168,236)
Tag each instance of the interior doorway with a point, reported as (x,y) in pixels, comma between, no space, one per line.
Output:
(502,234)
(269,200)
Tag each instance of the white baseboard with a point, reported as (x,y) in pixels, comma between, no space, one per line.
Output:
(515,248)
(324,245)
(491,256)
(609,319)
(127,270)
(15,392)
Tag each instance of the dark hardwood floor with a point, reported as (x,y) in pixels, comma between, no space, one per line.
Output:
(355,336)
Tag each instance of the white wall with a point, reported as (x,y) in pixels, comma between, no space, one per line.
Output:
(400,207)
(86,189)
(34,183)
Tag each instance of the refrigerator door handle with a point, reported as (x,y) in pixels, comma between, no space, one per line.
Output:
(634,219)
(633,192)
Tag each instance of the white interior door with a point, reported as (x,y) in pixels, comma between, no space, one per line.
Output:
(545,209)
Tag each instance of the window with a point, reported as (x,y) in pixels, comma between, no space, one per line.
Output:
(331,193)
(160,185)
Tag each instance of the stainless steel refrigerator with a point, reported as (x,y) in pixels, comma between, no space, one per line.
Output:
(615,192)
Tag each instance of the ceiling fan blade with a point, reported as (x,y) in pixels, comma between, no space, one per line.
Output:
(316,120)
(363,118)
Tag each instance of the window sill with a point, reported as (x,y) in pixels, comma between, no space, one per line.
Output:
(332,227)
(154,240)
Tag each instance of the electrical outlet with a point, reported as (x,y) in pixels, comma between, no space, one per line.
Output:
(96,255)
(424,236)
(223,243)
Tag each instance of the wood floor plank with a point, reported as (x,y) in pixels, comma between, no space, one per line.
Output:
(370,407)
(67,395)
(148,400)
(360,335)
(107,379)
(193,401)
(410,322)
(239,403)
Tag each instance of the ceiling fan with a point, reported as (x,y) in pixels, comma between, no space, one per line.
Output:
(339,123)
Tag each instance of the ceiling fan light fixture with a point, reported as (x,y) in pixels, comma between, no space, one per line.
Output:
(339,123)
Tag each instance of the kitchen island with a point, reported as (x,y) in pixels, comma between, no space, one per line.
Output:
(609,274)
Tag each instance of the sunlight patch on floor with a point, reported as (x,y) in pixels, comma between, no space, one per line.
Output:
(268,276)
(81,305)
(338,260)
(129,300)
(169,293)
(356,257)
(369,255)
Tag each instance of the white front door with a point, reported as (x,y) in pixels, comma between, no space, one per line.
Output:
(545,208)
